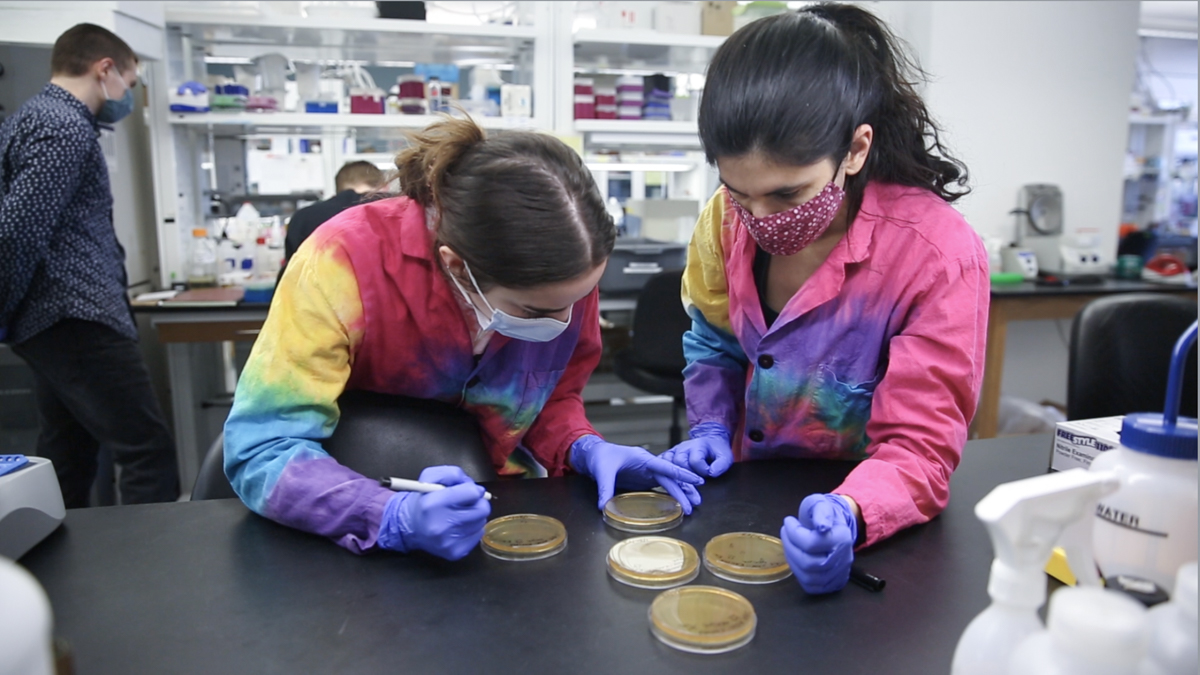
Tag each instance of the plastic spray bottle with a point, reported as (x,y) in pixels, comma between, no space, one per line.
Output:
(1173,630)
(1026,519)
(1148,529)
(1091,631)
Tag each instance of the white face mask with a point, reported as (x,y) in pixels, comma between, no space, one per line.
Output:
(541,329)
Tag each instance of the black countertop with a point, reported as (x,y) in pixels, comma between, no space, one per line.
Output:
(208,587)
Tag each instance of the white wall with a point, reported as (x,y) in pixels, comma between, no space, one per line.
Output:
(1036,92)
(1030,92)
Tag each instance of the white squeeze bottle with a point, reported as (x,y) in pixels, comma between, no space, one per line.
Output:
(1147,529)
(1173,630)
(25,623)
(1091,631)
(1026,519)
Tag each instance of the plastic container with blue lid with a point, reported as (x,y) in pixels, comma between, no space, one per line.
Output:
(1147,529)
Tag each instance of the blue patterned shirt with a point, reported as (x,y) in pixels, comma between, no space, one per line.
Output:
(59,254)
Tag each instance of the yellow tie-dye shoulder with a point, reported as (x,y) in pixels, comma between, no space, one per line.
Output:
(704,283)
(306,348)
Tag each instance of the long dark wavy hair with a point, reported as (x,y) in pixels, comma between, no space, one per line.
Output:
(795,86)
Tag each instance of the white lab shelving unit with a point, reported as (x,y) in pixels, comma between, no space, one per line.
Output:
(547,54)
(185,141)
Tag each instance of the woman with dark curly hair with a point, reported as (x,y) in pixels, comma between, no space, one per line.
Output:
(839,303)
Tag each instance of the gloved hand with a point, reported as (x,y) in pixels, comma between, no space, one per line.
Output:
(447,523)
(820,545)
(708,453)
(613,466)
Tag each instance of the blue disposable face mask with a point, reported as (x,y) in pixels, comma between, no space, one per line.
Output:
(541,329)
(113,111)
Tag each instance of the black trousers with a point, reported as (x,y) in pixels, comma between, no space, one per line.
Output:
(93,390)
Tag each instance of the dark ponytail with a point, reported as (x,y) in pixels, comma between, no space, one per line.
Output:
(520,207)
(795,87)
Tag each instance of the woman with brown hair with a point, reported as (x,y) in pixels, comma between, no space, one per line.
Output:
(477,287)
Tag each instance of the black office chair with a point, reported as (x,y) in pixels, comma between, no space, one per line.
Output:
(1120,355)
(382,435)
(654,360)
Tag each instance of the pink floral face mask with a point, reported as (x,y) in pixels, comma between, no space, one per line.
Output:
(787,232)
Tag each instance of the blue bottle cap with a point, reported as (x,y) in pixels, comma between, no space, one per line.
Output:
(1149,433)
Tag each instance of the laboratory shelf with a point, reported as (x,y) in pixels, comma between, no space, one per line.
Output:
(260,121)
(349,37)
(643,50)
(648,37)
(636,126)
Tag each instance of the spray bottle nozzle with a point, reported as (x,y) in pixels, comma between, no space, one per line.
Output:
(1028,518)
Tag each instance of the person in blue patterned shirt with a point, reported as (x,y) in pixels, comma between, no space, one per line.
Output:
(63,302)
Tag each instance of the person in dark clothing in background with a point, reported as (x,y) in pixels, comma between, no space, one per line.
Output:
(63,302)
(352,181)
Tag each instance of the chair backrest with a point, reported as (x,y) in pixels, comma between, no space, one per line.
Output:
(1120,355)
(383,435)
(659,323)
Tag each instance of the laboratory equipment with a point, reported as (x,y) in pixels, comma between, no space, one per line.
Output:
(1172,649)
(524,536)
(1040,230)
(365,97)
(25,622)
(702,619)
(643,512)
(31,507)
(229,96)
(202,269)
(270,82)
(1148,528)
(189,97)
(1091,631)
(634,260)
(1020,261)
(653,562)
(1026,519)
(516,100)
(747,558)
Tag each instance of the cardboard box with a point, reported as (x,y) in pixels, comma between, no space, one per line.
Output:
(677,17)
(1078,442)
(716,18)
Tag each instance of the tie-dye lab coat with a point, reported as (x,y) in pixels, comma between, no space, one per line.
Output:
(879,356)
(364,305)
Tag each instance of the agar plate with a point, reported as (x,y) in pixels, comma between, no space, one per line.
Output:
(747,558)
(653,562)
(643,512)
(523,536)
(702,619)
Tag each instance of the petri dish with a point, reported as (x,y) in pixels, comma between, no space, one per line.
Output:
(747,558)
(643,512)
(702,619)
(523,536)
(653,562)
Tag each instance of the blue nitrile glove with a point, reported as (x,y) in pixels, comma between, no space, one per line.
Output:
(820,545)
(447,523)
(613,466)
(708,453)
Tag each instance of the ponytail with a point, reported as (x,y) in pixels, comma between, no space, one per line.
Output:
(795,87)
(519,207)
(432,152)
